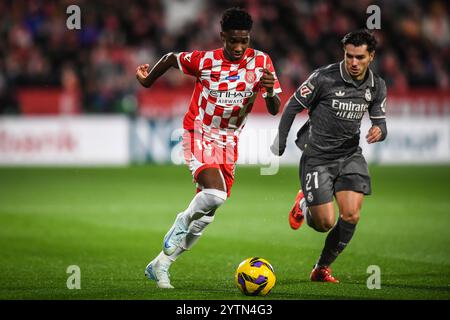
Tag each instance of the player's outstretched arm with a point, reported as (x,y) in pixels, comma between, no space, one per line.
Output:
(147,78)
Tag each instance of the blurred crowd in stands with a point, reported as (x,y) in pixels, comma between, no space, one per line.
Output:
(97,63)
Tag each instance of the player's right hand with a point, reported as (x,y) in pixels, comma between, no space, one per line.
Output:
(142,73)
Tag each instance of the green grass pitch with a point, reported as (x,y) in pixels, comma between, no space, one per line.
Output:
(110,222)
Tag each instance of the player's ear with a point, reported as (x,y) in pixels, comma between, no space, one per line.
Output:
(371,56)
(222,36)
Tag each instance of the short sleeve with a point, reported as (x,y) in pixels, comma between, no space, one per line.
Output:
(269,66)
(189,62)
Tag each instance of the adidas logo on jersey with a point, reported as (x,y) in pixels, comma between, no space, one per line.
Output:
(340,93)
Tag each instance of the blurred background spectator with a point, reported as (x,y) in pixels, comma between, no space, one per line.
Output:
(93,69)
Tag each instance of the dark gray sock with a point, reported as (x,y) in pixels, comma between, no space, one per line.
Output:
(336,241)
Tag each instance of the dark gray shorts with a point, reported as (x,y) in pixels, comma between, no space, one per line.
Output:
(321,180)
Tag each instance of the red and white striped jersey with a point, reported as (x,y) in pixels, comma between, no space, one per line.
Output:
(224,91)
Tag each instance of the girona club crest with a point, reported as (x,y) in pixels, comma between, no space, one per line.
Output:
(250,76)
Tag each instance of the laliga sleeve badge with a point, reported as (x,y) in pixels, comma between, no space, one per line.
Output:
(305,90)
(368,95)
(310,197)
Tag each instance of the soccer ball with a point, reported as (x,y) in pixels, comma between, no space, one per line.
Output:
(255,276)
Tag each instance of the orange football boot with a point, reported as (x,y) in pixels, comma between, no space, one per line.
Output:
(323,274)
(296,216)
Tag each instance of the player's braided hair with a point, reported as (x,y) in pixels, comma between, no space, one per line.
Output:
(359,38)
(236,19)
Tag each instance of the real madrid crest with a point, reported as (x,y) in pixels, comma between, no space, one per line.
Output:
(368,95)
(310,197)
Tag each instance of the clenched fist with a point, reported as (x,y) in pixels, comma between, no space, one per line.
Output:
(142,73)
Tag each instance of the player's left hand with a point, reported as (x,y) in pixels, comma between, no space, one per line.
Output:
(278,148)
(374,134)
(267,80)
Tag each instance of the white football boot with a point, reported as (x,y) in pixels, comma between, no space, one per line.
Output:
(175,235)
(158,272)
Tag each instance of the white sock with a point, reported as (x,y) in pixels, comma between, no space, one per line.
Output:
(203,203)
(196,229)
(164,259)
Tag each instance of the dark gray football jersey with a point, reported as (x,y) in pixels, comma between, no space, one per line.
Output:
(336,104)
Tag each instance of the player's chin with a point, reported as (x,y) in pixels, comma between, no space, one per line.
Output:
(237,56)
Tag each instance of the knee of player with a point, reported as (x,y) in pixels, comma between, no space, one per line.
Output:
(351,216)
(325,225)
(215,197)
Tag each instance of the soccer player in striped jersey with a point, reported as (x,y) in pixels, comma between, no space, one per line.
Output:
(227,83)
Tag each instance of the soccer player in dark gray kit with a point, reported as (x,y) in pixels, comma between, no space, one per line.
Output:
(336,97)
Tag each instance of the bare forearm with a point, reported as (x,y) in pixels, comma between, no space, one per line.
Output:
(273,104)
(164,64)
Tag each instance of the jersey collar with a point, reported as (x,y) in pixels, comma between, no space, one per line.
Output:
(369,82)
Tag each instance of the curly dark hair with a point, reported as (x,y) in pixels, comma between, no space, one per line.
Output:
(359,38)
(236,19)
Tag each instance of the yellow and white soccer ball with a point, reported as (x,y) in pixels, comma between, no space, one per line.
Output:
(255,277)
